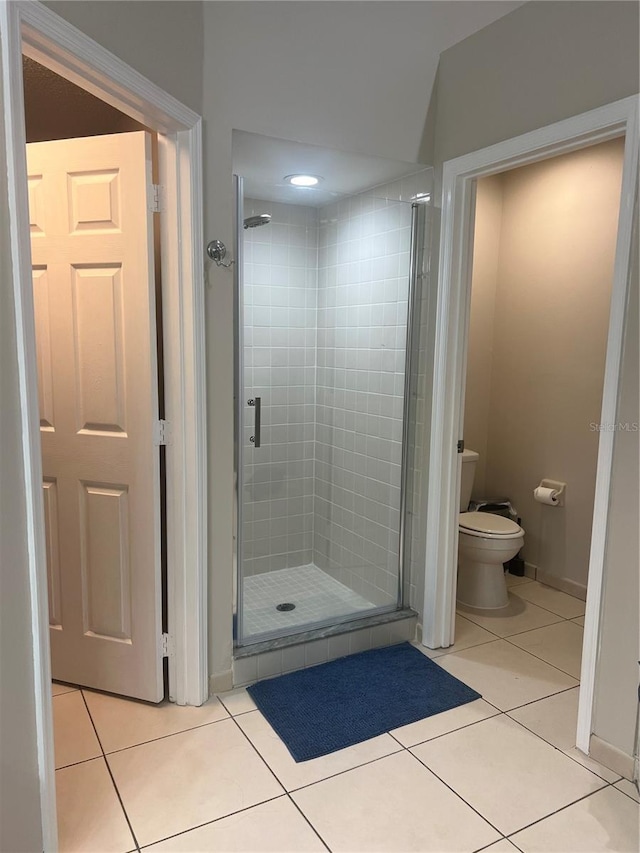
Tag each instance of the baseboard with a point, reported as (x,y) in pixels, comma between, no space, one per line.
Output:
(578,590)
(221,682)
(530,570)
(612,757)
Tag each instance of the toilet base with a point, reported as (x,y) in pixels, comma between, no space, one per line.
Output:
(482,585)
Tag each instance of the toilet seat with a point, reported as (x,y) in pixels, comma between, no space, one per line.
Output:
(488,526)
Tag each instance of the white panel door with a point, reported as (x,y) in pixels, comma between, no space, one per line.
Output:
(93,279)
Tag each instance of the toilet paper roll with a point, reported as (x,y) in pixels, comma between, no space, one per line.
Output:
(546,496)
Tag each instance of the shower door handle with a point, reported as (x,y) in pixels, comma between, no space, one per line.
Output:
(255,438)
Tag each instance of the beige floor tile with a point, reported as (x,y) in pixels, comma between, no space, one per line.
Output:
(447,721)
(579,621)
(74,737)
(468,634)
(510,776)
(560,645)
(504,675)
(518,616)
(394,804)
(593,766)
(516,580)
(294,774)
(121,723)
(567,606)
(187,779)
(606,821)
(90,817)
(629,789)
(273,827)
(237,701)
(504,846)
(59,689)
(555,718)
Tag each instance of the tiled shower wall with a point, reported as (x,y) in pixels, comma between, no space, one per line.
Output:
(363,277)
(281,263)
(325,329)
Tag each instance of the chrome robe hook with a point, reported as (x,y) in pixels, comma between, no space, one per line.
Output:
(217,251)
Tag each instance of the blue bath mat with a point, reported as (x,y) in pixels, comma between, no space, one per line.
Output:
(337,704)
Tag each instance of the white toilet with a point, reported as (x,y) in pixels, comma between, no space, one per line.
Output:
(485,542)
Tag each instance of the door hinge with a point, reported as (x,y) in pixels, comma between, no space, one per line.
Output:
(156,198)
(166,645)
(162,433)
(461,446)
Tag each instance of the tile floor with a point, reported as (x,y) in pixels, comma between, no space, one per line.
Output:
(316,595)
(499,774)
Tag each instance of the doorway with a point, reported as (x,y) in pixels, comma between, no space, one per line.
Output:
(97,294)
(607,123)
(543,258)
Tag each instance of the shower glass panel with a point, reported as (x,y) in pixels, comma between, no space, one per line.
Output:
(323,295)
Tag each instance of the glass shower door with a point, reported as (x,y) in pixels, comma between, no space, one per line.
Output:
(322,309)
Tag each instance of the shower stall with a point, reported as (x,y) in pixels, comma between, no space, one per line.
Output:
(327,306)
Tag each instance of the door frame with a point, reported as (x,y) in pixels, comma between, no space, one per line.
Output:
(450,354)
(31,28)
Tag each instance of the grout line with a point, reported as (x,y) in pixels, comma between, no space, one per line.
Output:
(257,751)
(541,699)
(623,779)
(480,849)
(452,731)
(459,796)
(209,822)
(349,769)
(320,838)
(526,651)
(83,761)
(561,751)
(164,737)
(324,778)
(542,607)
(537,657)
(113,781)
(557,811)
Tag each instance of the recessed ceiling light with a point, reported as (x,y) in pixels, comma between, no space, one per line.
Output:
(303,180)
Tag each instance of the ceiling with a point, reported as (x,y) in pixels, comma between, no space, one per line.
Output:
(264,161)
(420,32)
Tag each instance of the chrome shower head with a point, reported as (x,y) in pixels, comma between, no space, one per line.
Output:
(255,221)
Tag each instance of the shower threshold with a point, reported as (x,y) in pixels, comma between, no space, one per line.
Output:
(322,632)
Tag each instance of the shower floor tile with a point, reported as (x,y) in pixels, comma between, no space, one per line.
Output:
(316,595)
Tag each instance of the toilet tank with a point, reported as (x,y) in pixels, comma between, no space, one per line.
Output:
(469,462)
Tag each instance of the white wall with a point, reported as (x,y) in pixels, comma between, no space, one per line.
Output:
(20,822)
(162,40)
(541,63)
(486,254)
(616,697)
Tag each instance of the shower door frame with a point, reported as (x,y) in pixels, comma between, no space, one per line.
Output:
(618,119)
(419,224)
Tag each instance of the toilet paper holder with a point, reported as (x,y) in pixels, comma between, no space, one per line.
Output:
(558,487)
